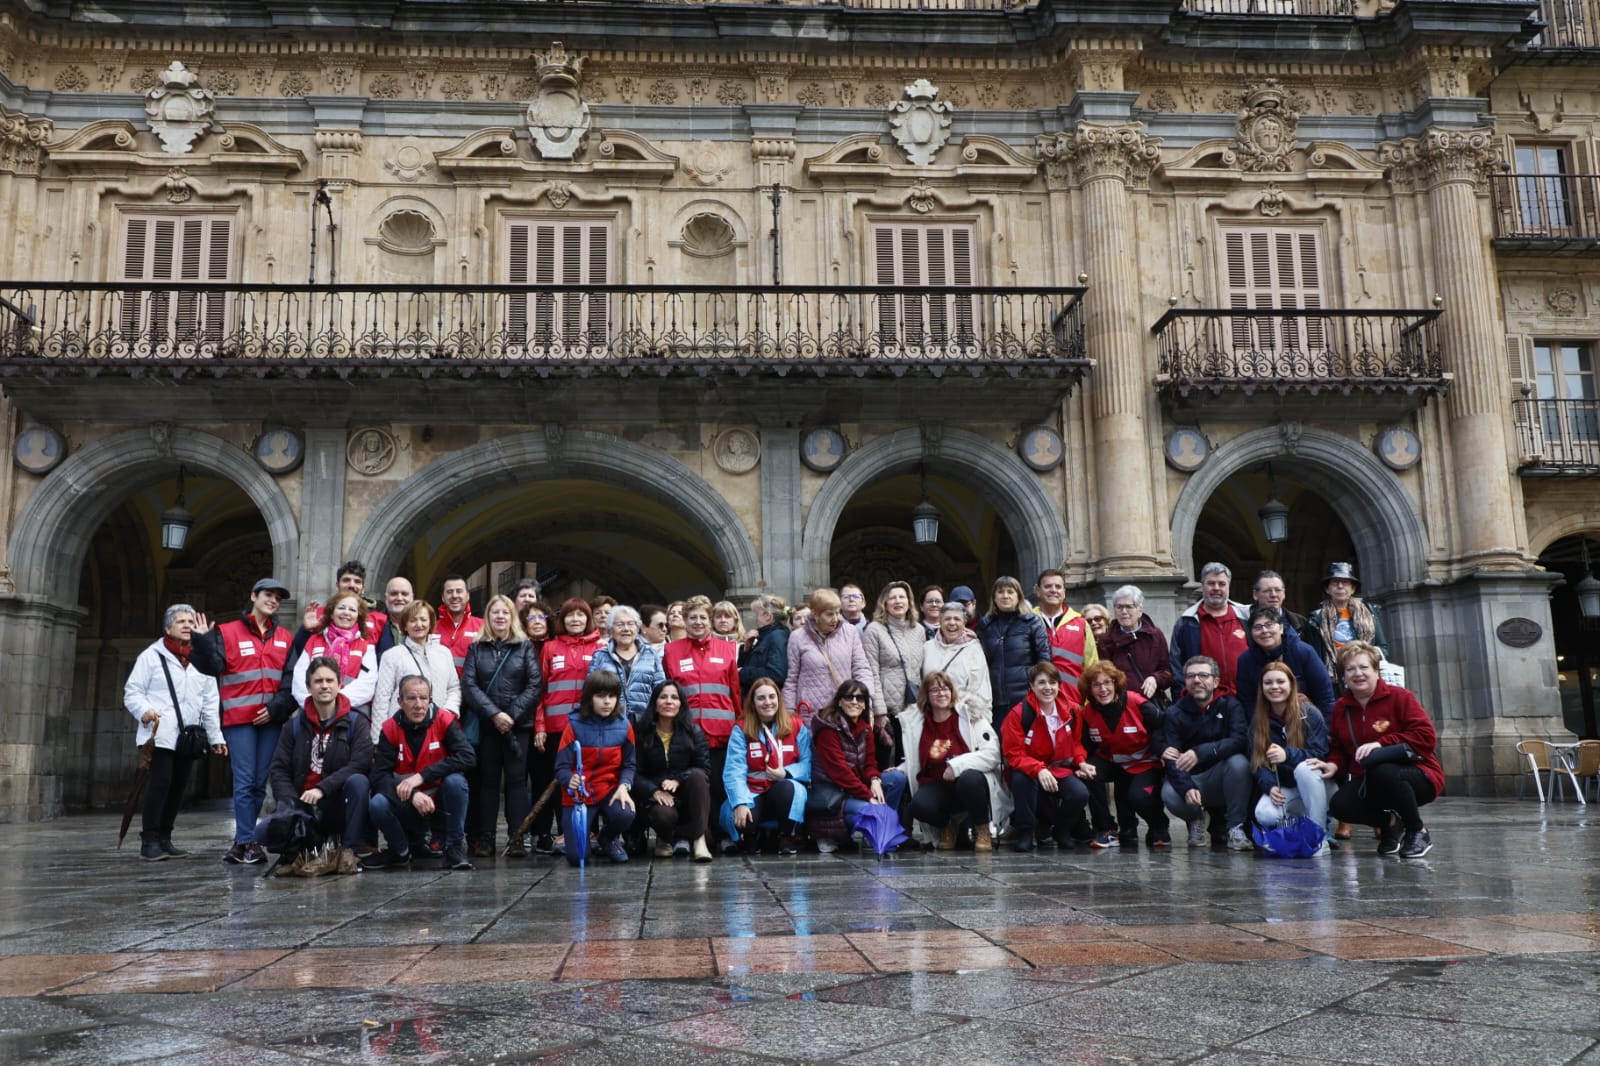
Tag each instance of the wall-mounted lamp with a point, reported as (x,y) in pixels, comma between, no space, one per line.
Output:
(176,520)
(925,517)
(1274,514)
(1588,589)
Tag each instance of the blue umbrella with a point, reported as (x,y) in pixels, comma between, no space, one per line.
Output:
(578,825)
(1297,838)
(879,823)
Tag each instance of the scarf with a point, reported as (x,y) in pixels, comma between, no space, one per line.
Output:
(339,641)
(179,649)
(1360,622)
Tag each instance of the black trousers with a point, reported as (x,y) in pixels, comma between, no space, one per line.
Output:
(718,793)
(502,776)
(686,818)
(1136,796)
(542,771)
(163,794)
(1060,810)
(936,802)
(1392,786)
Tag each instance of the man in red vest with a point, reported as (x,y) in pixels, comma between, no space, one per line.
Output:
(1072,645)
(247,656)
(418,768)
(457,626)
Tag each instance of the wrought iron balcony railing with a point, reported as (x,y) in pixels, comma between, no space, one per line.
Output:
(1558,438)
(1568,24)
(1318,8)
(1287,351)
(664,328)
(1546,210)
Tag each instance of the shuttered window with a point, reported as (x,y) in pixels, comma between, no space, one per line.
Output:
(1275,267)
(914,255)
(563,258)
(186,248)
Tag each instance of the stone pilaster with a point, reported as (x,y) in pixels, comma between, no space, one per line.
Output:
(322,494)
(1452,168)
(37,644)
(1107,162)
(8,478)
(781,518)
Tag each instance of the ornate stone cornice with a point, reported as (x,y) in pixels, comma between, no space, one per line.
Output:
(1442,156)
(22,141)
(1087,153)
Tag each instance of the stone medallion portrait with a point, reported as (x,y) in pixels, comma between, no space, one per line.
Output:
(371,451)
(1187,448)
(737,451)
(38,450)
(1041,448)
(822,450)
(279,450)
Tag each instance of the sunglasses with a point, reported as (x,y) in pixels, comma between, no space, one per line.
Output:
(853,697)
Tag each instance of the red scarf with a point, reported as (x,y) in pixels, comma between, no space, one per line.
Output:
(179,649)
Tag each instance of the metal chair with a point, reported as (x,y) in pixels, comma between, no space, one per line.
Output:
(1585,766)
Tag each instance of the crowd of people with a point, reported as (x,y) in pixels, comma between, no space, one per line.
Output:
(410,731)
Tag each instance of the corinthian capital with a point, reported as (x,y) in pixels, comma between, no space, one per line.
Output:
(1439,157)
(1122,152)
(22,142)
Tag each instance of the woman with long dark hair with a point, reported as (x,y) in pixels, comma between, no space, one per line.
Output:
(673,781)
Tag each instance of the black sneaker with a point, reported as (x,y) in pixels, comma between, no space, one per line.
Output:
(1416,845)
(172,851)
(543,845)
(455,858)
(387,860)
(1024,841)
(151,849)
(1389,839)
(235,855)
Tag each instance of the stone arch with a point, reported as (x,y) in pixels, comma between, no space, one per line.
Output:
(59,520)
(1387,529)
(400,519)
(1567,525)
(1017,494)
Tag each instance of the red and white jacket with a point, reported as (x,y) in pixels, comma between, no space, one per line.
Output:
(458,635)
(564,661)
(1071,644)
(359,667)
(1030,746)
(708,671)
(1126,743)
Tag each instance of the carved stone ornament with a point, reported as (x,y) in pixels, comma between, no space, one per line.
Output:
(921,124)
(22,141)
(558,118)
(180,111)
(1440,157)
(737,451)
(1268,119)
(1122,152)
(1562,301)
(371,451)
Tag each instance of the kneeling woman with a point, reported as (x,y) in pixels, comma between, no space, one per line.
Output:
(768,767)
(1043,748)
(1288,740)
(1382,736)
(674,773)
(846,775)
(604,783)
(952,766)
(1119,736)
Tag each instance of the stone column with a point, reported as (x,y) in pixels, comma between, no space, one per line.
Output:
(38,642)
(8,434)
(1453,166)
(1108,161)
(781,519)
(322,489)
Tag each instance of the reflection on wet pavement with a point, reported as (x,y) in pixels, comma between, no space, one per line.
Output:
(1489,951)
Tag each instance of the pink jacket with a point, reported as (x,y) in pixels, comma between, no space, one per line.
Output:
(811,654)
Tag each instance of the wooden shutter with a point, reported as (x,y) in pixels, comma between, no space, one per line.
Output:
(564,258)
(187,248)
(913,255)
(1275,267)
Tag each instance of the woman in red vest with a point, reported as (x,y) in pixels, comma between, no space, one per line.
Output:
(1120,731)
(342,635)
(1049,770)
(768,768)
(563,663)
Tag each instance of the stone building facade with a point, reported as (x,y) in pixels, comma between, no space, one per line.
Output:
(706,297)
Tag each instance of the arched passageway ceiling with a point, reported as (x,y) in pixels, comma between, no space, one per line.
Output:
(1230,532)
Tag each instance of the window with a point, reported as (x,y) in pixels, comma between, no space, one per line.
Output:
(1275,267)
(1544,191)
(914,255)
(565,257)
(182,248)
(1564,374)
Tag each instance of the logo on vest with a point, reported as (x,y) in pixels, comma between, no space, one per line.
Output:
(686,665)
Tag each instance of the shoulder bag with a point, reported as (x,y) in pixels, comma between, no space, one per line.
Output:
(192,740)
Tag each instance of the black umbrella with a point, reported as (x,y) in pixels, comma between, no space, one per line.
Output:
(139,774)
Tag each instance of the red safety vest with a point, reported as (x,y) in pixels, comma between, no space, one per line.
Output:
(433,750)
(1127,744)
(255,662)
(758,757)
(564,661)
(458,637)
(708,671)
(376,620)
(1068,640)
(1027,744)
(351,666)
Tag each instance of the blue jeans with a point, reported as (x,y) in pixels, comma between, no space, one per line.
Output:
(250,749)
(403,828)
(894,789)
(343,812)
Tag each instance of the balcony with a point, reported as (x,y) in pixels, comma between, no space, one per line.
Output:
(1310,8)
(1248,365)
(1558,438)
(1569,26)
(1546,214)
(68,329)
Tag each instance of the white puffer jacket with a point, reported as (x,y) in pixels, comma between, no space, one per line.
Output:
(982,755)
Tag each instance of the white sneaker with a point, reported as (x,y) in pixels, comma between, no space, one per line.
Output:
(1322,849)
(1239,840)
(1197,833)
(827,845)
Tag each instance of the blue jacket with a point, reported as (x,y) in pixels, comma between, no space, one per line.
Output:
(1297,655)
(639,678)
(1316,747)
(1012,642)
(738,762)
(769,657)
(1220,731)
(1186,640)
(596,735)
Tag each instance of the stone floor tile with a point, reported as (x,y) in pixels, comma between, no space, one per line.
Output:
(456,1035)
(1242,949)
(624,968)
(1420,1042)
(1091,953)
(335,968)
(1394,946)
(19,1016)
(107,1045)
(757,945)
(998,1043)
(1045,934)
(1332,927)
(967,994)
(631,1050)
(1193,1013)
(609,1006)
(800,962)
(807,1030)
(177,971)
(29,975)
(479,963)
(1490,936)
(1584,925)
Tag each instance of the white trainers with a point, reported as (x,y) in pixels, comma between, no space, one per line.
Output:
(1197,833)
(1322,849)
(1239,840)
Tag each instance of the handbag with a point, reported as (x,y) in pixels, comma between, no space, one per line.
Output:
(192,740)
(910,695)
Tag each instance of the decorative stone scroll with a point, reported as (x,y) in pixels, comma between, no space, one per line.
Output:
(22,141)
(1441,156)
(179,109)
(921,124)
(1091,152)
(558,117)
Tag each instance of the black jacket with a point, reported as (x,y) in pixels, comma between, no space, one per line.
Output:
(1012,642)
(459,756)
(768,657)
(688,751)
(515,689)
(349,751)
(1221,730)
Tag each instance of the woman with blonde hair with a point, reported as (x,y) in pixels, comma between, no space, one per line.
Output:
(952,767)
(727,621)
(675,625)
(500,687)
(823,654)
(766,651)
(893,643)
(767,771)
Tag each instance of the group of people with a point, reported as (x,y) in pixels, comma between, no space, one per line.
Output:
(673,726)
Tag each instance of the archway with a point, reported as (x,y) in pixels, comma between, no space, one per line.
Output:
(407,515)
(1030,517)
(1385,528)
(1577,638)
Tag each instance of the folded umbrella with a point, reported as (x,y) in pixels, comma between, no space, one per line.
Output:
(1297,838)
(879,823)
(578,830)
(140,772)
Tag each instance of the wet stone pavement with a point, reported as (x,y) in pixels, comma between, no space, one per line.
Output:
(1486,951)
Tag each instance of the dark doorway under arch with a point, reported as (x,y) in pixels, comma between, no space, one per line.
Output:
(1577,638)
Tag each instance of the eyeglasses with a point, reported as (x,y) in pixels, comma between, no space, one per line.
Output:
(852,697)
(1262,627)
(1198,677)
(852,596)
(1126,607)
(537,618)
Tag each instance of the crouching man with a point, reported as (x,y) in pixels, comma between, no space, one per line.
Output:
(419,768)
